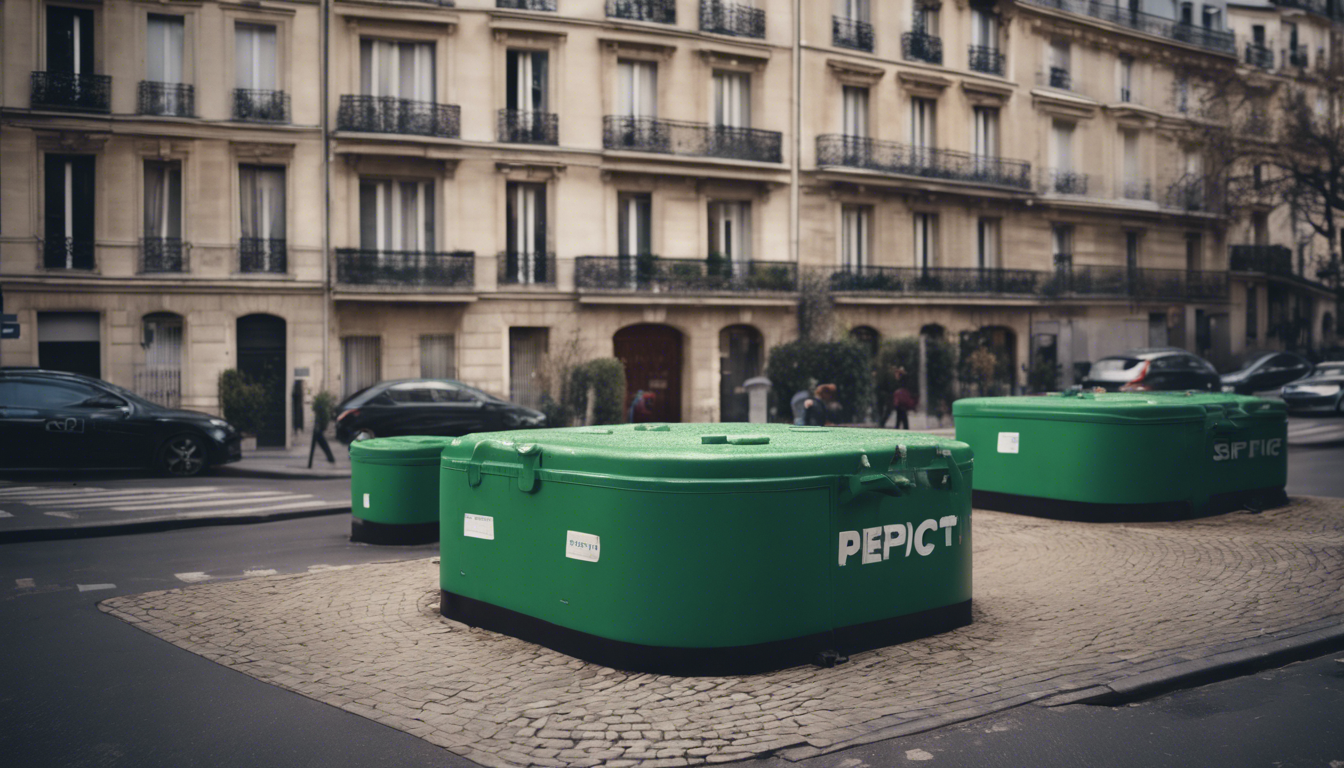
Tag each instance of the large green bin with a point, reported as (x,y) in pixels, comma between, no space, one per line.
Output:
(1115,455)
(706,548)
(394,489)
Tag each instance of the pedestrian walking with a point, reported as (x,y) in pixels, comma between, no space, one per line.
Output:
(903,400)
(641,408)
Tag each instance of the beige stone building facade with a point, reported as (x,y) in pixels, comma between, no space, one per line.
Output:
(328,194)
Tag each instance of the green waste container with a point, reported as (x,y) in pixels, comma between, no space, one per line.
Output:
(706,548)
(394,489)
(1120,455)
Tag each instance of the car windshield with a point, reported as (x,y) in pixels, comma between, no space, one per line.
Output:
(129,395)
(1114,364)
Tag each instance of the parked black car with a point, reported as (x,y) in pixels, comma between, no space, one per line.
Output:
(1153,369)
(428,407)
(51,419)
(1319,392)
(1270,370)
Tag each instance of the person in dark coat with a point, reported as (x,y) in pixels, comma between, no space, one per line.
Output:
(903,401)
(641,408)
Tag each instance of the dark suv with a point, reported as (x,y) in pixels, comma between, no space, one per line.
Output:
(52,419)
(428,407)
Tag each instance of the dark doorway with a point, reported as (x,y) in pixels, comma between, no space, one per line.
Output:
(652,358)
(739,360)
(261,358)
(69,341)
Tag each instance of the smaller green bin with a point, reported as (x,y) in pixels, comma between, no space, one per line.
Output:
(1127,454)
(394,489)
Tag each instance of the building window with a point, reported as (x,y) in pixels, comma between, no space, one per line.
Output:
(732,99)
(263,246)
(1187,15)
(1132,252)
(525,236)
(987,243)
(730,233)
(986,132)
(855,237)
(634,224)
(854,111)
(926,240)
(1060,65)
(1126,65)
(161,249)
(637,88)
(361,362)
(396,215)
(1252,312)
(527,358)
(164,90)
(527,114)
(1061,237)
(68,212)
(69,40)
(401,70)
(1194,252)
(256,94)
(1212,18)
(1182,88)
(69,341)
(438,355)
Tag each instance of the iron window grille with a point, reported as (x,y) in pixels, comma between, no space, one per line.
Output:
(1213,39)
(522,127)
(389,114)
(986,59)
(526,5)
(1059,78)
(1138,190)
(646,134)
(653,274)
(728,18)
(921,46)
(657,11)
(1259,56)
(897,158)
(260,106)
(1065,182)
(851,33)
(167,99)
(163,254)
(518,268)
(406,269)
(68,90)
(263,255)
(67,253)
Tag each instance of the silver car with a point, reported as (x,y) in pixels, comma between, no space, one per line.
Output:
(1320,392)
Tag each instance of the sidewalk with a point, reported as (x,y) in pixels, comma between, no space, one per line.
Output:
(1064,611)
(291,462)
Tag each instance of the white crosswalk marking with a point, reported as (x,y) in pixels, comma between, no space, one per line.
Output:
(192,577)
(321,568)
(95,587)
(3,513)
(237,498)
(87,502)
(63,515)
(24,584)
(260,572)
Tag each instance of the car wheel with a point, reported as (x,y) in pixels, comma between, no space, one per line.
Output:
(182,455)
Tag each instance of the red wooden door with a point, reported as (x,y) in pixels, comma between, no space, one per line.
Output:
(652,358)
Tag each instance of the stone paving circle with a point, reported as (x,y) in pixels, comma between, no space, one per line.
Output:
(1059,606)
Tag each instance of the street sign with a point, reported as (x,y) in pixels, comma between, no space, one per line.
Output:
(9,330)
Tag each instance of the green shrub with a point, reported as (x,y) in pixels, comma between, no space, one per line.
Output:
(324,409)
(845,363)
(606,377)
(243,401)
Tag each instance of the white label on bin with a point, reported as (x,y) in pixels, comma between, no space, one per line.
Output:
(478,526)
(583,546)
(366,501)
(1008,442)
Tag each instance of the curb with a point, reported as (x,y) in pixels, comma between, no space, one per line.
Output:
(227,470)
(156,525)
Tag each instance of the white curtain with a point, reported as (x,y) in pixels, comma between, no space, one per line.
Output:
(1059,56)
(926,232)
(163,55)
(855,10)
(262,191)
(1063,144)
(984,29)
(254,57)
(437,353)
(528,80)
(855,111)
(527,227)
(1131,144)
(396,215)
(730,232)
(732,99)
(922,123)
(163,199)
(986,131)
(987,256)
(637,82)
(362,362)
(854,234)
(402,70)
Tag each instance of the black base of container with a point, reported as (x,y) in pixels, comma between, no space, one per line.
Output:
(368,532)
(1059,509)
(733,660)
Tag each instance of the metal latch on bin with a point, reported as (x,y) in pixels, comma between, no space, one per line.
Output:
(529,461)
(894,481)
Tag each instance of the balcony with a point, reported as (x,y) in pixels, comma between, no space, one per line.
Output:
(1137,190)
(851,33)
(1319,7)
(1212,39)
(985,59)
(646,134)
(66,90)
(518,127)
(258,255)
(389,114)
(1270,259)
(1259,56)
(656,11)
(526,5)
(727,18)
(1058,77)
(896,158)
(652,274)
(163,255)
(406,269)
(1296,57)
(167,99)
(1188,193)
(1063,182)
(517,268)
(1064,282)
(259,106)
(67,253)
(918,46)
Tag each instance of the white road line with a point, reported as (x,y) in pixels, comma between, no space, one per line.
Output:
(3,513)
(260,572)
(89,498)
(192,577)
(1316,429)
(64,515)
(249,498)
(95,587)
(10,488)
(24,584)
(250,510)
(35,493)
(142,499)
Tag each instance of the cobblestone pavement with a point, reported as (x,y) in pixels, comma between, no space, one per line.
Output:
(1059,606)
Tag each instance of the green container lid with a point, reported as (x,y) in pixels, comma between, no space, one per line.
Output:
(689,452)
(410,450)
(1121,407)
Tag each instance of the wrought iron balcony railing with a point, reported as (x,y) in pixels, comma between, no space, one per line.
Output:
(1188,193)
(1137,190)
(167,99)
(647,134)
(67,90)
(1270,259)
(894,157)
(652,274)
(1296,57)
(518,127)
(524,268)
(985,59)
(67,253)
(1064,281)
(1321,7)
(260,106)
(406,269)
(657,11)
(1058,77)
(851,33)
(526,5)
(723,17)
(389,114)
(919,46)
(1259,56)
(163,254)
(263,255)
(1063,182)
(954,280)
(1212,39)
